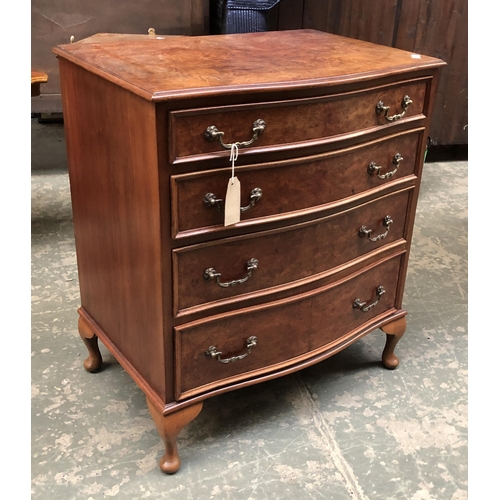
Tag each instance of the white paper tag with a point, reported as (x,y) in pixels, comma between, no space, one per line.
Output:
(232,206)
(232,210)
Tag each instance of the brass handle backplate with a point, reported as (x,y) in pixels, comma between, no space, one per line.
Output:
(380,108)
(374,169)
(212,133)
(214,353)
(363,232)
(357,304)
(211,273)
(210,200)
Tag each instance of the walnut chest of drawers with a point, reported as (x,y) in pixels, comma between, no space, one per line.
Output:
(328,137)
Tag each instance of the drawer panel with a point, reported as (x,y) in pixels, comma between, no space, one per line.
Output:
(287,331)
(285,256)
(292,187)
(295,123)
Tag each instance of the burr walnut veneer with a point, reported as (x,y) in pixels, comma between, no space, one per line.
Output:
(330,135)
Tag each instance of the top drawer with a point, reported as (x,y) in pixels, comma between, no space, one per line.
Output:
(292,124)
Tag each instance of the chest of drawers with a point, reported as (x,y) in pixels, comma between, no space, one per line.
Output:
(330,134)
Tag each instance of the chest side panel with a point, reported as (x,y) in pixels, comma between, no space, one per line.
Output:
(111,144)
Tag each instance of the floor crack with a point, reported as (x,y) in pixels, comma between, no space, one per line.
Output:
(328,438)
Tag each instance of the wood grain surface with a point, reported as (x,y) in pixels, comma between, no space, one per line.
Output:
(169,67)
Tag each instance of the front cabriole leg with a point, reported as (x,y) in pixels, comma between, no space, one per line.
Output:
(394,332)
(169,427)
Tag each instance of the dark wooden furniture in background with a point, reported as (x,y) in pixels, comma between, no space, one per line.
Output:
(331,133)
(438,28)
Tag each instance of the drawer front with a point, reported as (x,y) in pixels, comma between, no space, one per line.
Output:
(288,331)
(290,188)
(285,256)
(296,123)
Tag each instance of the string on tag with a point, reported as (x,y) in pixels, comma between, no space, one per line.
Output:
(232,205)
(232,158)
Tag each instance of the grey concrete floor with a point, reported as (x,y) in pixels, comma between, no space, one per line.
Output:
(343,429)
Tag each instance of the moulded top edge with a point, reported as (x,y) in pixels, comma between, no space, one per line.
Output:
(170,67)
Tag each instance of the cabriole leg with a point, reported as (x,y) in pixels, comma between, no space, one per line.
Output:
(394,332)
(169,427)
(94,362)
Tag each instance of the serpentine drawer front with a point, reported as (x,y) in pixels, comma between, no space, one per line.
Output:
(223,269)
(294,187)
(294,122)
(284,331)
(243,205)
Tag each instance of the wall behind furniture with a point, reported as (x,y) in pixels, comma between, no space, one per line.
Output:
(436,28)
(53,22)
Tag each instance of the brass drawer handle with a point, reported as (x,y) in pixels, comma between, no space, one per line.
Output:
(374,169)
(210,200)
(362,305)
(211,273)
(213,352)
(212,133)
(367,232)
(380,108)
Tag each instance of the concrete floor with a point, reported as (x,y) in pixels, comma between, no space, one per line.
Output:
(344,429)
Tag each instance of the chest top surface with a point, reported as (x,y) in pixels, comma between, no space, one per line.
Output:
(170,67)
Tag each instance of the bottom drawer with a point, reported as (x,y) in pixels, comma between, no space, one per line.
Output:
(222,349)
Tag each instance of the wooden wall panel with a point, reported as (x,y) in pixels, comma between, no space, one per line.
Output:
(290,14)
(317,15)
(433,27)
(370,21)
(439,29)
